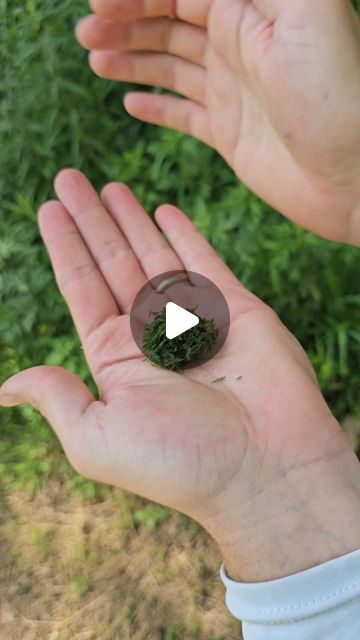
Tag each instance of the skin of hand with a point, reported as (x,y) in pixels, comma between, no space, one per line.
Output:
(272,85)
(257,459)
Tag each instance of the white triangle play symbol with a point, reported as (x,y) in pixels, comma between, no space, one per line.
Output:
(178,320)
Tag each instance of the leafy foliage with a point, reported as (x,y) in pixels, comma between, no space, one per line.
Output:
(53,113)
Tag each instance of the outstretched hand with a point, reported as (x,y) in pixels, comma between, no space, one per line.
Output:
(233,454)
(273,85)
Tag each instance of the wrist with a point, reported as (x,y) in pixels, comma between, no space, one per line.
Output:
(309,516)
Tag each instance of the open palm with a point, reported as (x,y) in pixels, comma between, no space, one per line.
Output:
(183,440)
(274,86)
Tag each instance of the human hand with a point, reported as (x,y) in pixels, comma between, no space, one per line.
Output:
(273,86)
(257,458)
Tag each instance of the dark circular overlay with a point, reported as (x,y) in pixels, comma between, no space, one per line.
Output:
(189,290)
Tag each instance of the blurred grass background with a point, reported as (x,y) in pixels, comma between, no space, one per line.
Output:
(54,113)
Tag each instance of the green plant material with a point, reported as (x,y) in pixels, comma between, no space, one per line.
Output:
(177,353)
(54,112)
(151,516)
(80,587)
(42,542)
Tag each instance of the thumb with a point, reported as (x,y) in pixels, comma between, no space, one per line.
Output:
(60,396)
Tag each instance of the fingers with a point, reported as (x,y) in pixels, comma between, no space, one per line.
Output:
(168,111)
(59,395)
(126,10)
(153,252)
(154,69)
(111,253)
(90,301)
(197,254)
(175,37)
(194,251)
(195,12)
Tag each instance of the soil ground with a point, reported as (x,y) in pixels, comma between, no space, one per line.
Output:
(71,569)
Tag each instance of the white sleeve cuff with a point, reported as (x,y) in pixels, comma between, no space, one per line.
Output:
(321,603)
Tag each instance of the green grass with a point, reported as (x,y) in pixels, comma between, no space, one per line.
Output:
(53,113)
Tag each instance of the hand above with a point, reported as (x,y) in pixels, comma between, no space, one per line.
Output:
(273,85)
(256,457)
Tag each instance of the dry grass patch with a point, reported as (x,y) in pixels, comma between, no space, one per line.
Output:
(72,570)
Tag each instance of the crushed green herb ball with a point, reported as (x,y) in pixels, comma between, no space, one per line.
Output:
(177,353)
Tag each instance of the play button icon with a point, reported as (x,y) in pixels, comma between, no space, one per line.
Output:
(178,320)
